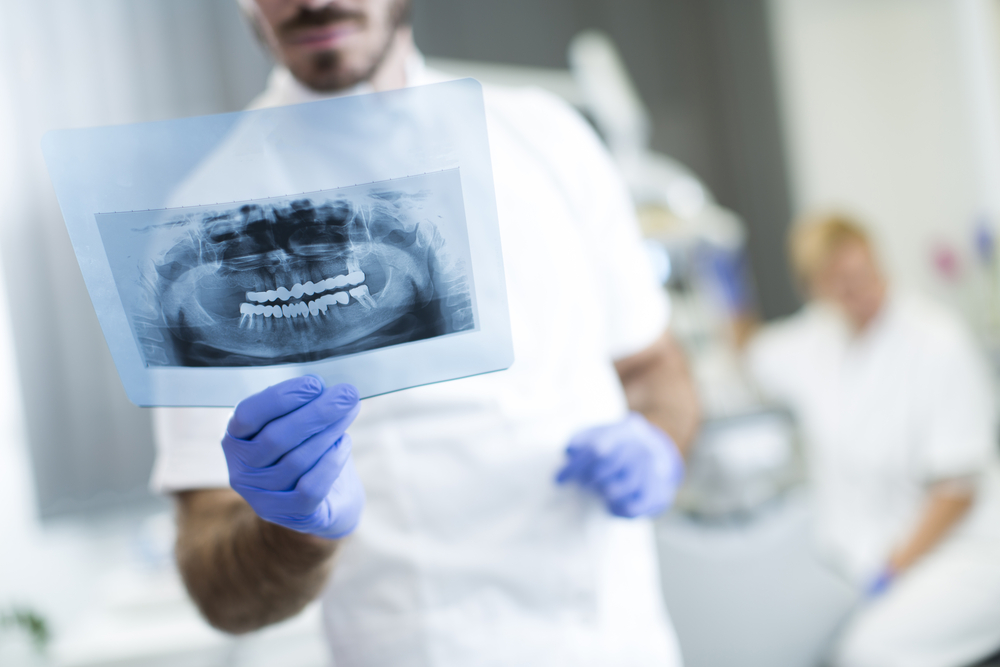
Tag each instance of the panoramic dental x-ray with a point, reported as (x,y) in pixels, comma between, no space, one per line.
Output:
(234,254)
(298,279)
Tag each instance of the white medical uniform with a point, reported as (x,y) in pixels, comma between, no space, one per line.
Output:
(468,553)
(884,414)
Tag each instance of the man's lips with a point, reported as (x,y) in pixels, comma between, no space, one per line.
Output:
(324,36)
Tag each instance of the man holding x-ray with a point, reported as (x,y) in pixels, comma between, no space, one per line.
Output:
(498,519)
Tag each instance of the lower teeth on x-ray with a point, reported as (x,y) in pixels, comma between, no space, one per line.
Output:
(297,280)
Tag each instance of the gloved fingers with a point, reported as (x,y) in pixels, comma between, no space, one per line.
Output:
(303,458)
(315,485)
(300,498)
(600,440)
(243,456)
(632,464)
(578,462)
(629,481)
(267,504)
(335,408)
(645,502)
(336,515)
(656,496)
(274,506)
(285,473)
(344,503)
(619,458)
(626,508)
(595,455)
(330,520)
(254,412)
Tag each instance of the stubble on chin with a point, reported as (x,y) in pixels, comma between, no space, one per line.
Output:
(330,71)
(326,73)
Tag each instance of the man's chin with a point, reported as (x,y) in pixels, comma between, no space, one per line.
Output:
(324,73)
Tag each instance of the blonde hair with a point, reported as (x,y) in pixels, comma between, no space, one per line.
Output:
(814,239)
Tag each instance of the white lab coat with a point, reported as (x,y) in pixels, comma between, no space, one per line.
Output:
(468,553)
(885,413)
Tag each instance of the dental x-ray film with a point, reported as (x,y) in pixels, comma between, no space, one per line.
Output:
(353,238)
(294,279)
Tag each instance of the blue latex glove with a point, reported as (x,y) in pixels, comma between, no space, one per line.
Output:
(634,466)
(289,456)
(881,583)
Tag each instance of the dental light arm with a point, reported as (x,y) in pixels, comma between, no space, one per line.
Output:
(258,553)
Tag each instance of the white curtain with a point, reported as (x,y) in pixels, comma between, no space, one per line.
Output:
(78,63)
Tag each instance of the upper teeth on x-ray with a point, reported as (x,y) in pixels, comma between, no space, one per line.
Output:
(301,279)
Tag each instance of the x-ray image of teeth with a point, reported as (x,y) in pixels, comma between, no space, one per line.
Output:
(295,279)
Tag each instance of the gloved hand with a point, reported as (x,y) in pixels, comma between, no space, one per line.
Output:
(289,456)
(634,466)
(881,583)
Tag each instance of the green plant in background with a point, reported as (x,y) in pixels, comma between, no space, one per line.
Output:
(28,621)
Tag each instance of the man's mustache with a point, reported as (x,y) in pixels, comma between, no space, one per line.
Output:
(309,17)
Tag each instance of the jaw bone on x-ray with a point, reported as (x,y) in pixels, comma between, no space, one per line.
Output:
(296,279)
(226,253)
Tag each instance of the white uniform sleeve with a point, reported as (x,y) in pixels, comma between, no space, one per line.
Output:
(189,449)
(636,304)
(959,435)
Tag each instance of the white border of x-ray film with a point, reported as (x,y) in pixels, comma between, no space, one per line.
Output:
(273,153)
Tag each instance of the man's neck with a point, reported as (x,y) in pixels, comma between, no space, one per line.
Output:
(391,73)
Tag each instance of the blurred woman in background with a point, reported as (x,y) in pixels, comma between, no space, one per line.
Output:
(898,416)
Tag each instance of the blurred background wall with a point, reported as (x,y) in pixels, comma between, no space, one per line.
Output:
(890,110)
